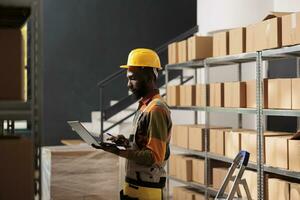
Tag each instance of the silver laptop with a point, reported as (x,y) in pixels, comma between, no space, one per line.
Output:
(88,137)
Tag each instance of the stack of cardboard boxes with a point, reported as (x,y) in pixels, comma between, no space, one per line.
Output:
(281,148)
(187,168)
(274,31)
(281,93)
(194,48)
(186,95)
(282,190)
(193,136)
(283,152)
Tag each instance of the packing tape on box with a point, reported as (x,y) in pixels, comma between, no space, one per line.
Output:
(293,20)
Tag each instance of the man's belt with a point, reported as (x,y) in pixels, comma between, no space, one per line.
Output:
(160,184)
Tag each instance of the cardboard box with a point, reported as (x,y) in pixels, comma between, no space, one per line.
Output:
(218,176)
(12,65)
(278,189)
(251,93)
(216,95)
(220,44)
(169,95)
(180,136)
(190,95)
(199,196)
(291,29)
(217,141)
(182,51)
(265,34)
(172,165)
(237,41)
(296,93)
(251,178)
(200,95)
(173,95)
(183,136)
(187,95)
(235,94)
(17,169)
(198,171)
(173,139)
(232,143)
(280,93)
(277,151)
(199,47)
(179,193)
(184,168)
(294,191)
(182,93)
(196,138)
(173,53)
(68,171)
(294,155)
(249,141)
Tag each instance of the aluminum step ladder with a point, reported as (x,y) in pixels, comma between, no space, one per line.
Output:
(238,165)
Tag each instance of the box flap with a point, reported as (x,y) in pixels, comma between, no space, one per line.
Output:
(275,14)
(296,136)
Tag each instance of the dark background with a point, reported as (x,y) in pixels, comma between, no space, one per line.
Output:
(87,40)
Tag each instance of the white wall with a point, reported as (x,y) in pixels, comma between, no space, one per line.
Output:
(286,5)
(215,15)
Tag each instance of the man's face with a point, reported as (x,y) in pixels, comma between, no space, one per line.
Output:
(136,82)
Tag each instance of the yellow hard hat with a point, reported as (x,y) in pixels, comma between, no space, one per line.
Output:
(142,58)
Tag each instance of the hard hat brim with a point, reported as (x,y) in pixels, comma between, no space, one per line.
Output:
(124,66)
(127,66)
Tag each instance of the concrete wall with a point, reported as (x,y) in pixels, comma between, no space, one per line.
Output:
(85,41)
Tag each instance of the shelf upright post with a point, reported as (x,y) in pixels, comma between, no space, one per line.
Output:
(1,127)
(298,75)
(195,82)
(259,127)
(240,116)
(36,86)
(206,136)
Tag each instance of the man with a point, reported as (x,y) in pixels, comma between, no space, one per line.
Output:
(149,151)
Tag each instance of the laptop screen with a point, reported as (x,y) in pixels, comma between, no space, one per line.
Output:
(83,133)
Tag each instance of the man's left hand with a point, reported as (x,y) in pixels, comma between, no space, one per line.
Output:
(111,149)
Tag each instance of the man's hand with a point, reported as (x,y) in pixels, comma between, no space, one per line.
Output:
(120,140)
(111,149)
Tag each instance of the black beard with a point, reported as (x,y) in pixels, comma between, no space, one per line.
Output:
(140,91)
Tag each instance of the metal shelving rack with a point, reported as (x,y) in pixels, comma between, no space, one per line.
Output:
(258,57)
(31,111)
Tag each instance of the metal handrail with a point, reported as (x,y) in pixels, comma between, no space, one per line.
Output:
(110,78)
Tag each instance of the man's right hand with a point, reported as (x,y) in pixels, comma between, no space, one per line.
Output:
(120,140)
